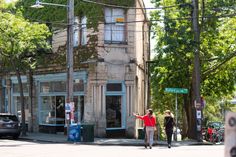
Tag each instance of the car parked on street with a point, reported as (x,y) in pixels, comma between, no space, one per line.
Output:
(9,125)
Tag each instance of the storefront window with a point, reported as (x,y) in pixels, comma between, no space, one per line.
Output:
(79,86)
(16,88)
(79,109)
(114,87)
(17,104)
(55,86)
(52,110)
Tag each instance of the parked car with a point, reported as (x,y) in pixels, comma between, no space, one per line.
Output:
(9,125)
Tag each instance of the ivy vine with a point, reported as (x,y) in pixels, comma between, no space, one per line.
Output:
(56,17)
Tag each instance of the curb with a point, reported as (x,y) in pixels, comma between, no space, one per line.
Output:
(118,143)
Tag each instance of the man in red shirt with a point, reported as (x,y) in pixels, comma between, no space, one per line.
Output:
(150,124)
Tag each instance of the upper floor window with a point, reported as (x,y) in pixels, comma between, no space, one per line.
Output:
(114,25)
(83,31)
(76,32)
(80,31)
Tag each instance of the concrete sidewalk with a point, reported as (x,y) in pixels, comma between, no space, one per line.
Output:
(60,138)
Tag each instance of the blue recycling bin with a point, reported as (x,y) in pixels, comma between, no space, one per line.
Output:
(74,133)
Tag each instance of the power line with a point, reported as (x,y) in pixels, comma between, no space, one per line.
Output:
(125,7)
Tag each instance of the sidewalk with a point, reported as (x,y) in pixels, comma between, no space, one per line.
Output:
(60,138)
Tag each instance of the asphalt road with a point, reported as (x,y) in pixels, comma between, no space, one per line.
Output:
(11,148)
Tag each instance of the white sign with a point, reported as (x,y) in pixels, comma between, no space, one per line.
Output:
(67,107)
(199,114)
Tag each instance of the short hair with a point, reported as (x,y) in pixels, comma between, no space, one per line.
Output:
(168,111)
(150,111)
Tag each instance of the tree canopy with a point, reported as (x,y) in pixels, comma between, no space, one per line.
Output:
(22,45)
(174,53)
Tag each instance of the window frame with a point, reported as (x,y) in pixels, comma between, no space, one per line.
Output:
(111,23)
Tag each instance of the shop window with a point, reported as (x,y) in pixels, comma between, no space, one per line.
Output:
(16,88)
(79,109)
(52,110)
(55,86)
(114,87)
(17,104)
(79,86)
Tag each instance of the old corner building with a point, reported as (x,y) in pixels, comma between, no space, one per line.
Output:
(106,93)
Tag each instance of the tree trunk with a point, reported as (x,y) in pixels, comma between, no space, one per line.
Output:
(21,97)
(192,134)
(185,122)
(21,102)
(31,99)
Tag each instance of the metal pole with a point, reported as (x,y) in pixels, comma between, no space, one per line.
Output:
(176,113)
(69,54)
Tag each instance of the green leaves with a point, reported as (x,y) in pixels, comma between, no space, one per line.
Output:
(174,49)
(20,40)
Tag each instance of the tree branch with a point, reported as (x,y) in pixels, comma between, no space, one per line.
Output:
(208,72)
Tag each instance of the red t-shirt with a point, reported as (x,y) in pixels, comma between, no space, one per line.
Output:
(148,120)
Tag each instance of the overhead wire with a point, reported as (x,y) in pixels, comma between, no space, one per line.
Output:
(127,7)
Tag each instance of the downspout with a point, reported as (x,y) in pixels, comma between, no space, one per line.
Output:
(148,66)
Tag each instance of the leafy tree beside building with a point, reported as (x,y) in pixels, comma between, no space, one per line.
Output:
(174,55)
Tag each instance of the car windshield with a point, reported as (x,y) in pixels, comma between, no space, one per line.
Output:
(8,118)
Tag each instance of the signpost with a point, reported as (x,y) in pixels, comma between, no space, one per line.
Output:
(176,91)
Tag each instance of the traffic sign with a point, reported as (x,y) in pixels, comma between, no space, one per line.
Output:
(176,90)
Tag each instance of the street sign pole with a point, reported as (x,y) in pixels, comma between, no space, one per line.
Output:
(176,91)
(176,119)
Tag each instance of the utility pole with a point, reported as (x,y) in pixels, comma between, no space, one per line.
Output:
(69,58)
(197,97)
(69,51)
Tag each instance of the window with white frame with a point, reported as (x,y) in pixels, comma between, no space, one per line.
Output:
(76,32)
(80,31)
(114,25)
(83,31)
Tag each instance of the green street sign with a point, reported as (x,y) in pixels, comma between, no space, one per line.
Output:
(176,90)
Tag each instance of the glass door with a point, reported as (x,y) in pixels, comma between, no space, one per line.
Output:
(60,109)
(113,111)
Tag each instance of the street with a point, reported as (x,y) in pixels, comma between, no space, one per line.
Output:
(10,148)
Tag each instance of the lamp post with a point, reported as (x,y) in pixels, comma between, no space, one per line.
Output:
(69,48)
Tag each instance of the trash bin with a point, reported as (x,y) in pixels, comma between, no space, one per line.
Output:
(74,133)
(87,132)
(141,133)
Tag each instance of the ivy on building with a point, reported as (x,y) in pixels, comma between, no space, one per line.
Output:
(56,18)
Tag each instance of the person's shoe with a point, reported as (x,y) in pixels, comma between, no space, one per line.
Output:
(150,147)
(169,146)
(145,146)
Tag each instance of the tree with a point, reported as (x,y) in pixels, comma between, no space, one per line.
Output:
(21,45)
(174,66)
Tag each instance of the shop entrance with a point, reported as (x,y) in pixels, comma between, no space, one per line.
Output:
(113,111)
(60,109)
